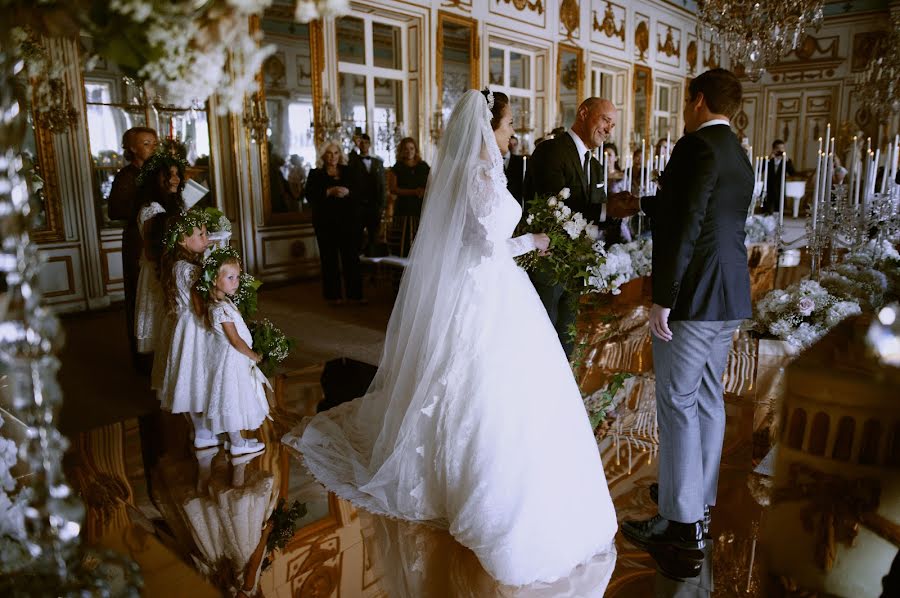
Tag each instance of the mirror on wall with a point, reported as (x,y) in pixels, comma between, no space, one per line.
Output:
(289,85)
(569,83)
(115,103)
(457,59)
(642,86)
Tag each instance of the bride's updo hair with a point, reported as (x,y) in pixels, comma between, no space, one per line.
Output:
(501,101)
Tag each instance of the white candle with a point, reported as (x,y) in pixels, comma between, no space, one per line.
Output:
(875,169)
(815,197)
(765,176)
(856,183)
(784,159)
(643,160)
(886,172)
(605,173)
(851,169)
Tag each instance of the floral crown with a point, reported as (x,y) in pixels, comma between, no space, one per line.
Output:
(184,225)
(211,265)
(490,97)
(163,158)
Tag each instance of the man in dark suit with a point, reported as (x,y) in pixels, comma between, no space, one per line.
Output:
(701,293)
(514,168)
(371,190)
(773,178)
(567,161)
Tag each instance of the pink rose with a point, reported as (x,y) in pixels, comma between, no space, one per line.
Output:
(806,306)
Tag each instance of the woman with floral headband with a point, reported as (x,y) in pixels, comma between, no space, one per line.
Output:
(160,183)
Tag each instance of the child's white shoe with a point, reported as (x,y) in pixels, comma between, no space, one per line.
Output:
(246,449)
(203,443)
(252,441)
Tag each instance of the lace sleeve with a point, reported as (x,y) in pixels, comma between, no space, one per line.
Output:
(219,313)
(484,227)
(148,212)
(186,275)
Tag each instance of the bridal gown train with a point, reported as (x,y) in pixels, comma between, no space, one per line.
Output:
(499,450)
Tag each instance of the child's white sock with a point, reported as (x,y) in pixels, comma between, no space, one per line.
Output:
(236,439)
(200,429)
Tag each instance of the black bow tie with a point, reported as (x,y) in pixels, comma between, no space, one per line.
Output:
(366,157)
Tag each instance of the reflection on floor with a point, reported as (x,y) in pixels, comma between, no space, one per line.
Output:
(204,523)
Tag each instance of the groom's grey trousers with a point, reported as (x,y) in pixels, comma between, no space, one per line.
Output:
(691,414)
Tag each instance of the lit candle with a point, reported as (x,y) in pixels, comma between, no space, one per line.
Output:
(765,176)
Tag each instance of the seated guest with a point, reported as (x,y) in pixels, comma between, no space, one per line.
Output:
(332,191)
(406,181)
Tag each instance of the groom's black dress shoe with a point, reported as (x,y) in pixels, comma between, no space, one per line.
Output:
(658,530)
(654,496)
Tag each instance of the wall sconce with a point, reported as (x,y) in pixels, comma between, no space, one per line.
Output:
(256,120)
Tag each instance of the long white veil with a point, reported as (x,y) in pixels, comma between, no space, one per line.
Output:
(372,443)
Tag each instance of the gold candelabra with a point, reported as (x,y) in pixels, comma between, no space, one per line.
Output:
(256,119)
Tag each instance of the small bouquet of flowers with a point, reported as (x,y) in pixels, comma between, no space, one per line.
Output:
(760,228)
(218,221)
(572,253)
(247,295)
(801,313)
(270,342)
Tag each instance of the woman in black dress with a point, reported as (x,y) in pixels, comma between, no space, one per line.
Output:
(336,211)
(406,182)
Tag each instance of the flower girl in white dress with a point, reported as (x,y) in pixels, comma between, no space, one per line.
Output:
(236,396)
(180,368)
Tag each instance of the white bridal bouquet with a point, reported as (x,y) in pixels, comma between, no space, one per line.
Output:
(802,313)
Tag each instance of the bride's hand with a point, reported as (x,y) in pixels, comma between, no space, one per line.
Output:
(541,243)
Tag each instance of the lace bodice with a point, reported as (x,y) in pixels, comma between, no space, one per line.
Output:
(226,311)
(494,214)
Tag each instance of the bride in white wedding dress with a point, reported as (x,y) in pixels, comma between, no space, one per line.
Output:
(474,421)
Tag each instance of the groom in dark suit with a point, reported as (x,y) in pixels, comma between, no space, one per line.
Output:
(701,293)
(567,161)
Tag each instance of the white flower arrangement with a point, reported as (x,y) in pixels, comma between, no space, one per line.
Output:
(856,279)
(760,228)
(802,313)
(622,262)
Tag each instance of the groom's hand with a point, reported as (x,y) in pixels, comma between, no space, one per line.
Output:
(659,322)
(622,205)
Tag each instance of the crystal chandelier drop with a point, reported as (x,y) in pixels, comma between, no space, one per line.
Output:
(758,34)
(880,82)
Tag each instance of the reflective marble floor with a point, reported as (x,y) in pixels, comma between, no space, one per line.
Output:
(203,523)
(202,519)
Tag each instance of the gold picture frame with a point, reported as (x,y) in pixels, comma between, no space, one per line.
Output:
(569,76)
(459,22)
(642,81)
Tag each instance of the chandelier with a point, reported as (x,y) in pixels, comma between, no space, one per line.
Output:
(879,82)
(758,34)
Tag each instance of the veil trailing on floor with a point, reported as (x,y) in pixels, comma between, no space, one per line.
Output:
(372,444)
